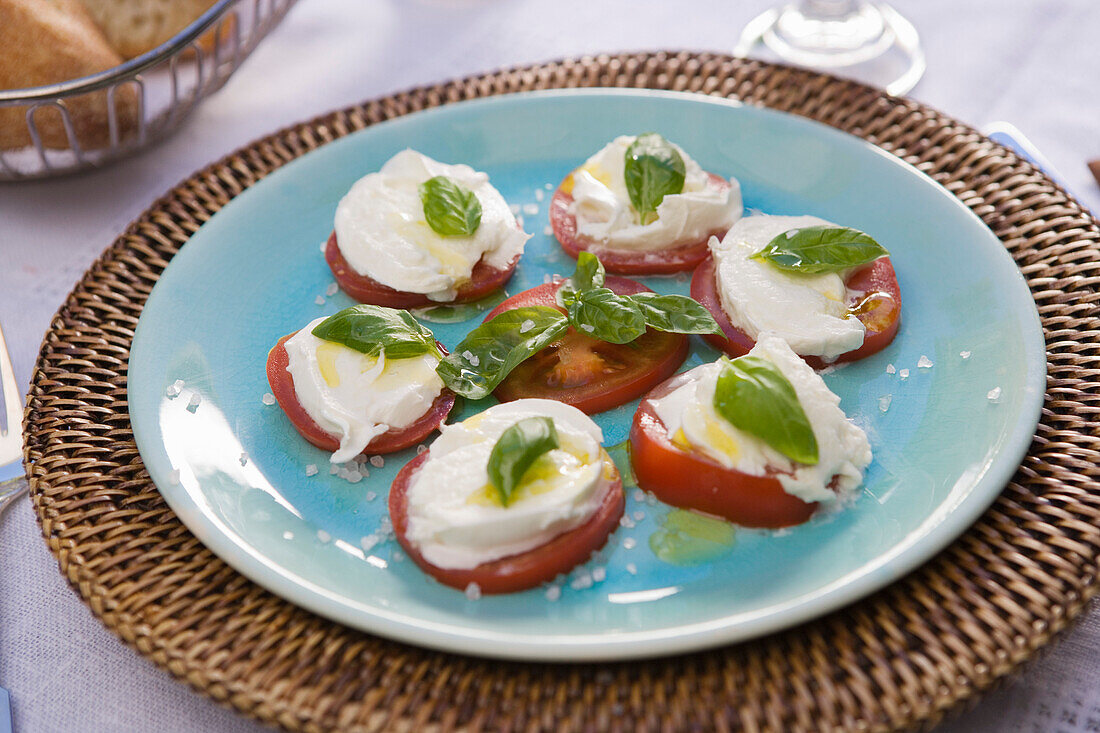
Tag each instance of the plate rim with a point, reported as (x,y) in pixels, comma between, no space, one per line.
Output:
(872,576)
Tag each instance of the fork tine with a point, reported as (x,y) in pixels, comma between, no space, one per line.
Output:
(12,407)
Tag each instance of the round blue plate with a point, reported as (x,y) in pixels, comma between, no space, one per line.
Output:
(946,437)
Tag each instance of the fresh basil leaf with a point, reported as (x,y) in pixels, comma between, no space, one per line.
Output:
(653,169)
(588,275)
(754,396)
(451,209)
(371,329)
(516,449)
(496,347)
(602,314)
(675,313)
(819,249)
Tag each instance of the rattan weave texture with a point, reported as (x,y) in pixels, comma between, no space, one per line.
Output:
(898,659)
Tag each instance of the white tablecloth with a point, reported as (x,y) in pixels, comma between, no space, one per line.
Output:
(1032,63)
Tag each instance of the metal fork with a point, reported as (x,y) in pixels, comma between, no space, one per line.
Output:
(12,485)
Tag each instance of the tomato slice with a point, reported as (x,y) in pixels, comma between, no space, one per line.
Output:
(879,309)
(677,259)
(527,569)
(692,480)
(483,280)
(282,386)
(590,374)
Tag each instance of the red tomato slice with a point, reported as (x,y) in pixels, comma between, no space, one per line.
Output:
(879,310)
(692,480)
(483,280)
(678,259)
(527,569)
(282,386)
(590,374)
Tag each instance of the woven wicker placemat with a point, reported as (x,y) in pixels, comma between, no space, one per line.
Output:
(899,658)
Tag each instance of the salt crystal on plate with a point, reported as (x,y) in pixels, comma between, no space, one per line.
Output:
(632,568)
(629,543)
(904,374)
(549,186)
(599,574)
(539,194)
(377,461)
(473,591)
(311,469)
(639,516)
(639,495)
(288,535)
(884,402)
(924,362)
(890,369)
(964,354)
(421,449)
(994,394)
(530,209)
(331,289)
(553,593)
(244,458)
(371,496)
(268,399)
(194,402)
(319,300)
(548,230)
(368,542)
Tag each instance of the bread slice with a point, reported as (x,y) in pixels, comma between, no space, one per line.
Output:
(50,41)
(136,26)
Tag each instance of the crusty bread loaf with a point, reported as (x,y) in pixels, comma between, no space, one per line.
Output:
(136,26)
(51,41)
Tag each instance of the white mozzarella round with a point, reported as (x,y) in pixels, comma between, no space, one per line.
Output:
(357,397)
(844,452)
(455,520)
(810,312)
(601,205)
(382,232)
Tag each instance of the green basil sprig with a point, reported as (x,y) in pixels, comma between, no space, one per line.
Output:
(820,249)
(517,448)
(602,314)
(372,329)
(451,209)
(496,347)
(499,345)
(755,396)
(653,169)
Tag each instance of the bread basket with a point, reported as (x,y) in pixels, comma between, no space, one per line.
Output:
(140,101)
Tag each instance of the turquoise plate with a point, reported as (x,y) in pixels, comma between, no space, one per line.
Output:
(237,473)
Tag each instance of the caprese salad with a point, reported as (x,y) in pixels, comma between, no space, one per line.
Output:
(759,440)
(362,379)
(420,232)
(644,206)
(829,291)
(509,498)
(591,341)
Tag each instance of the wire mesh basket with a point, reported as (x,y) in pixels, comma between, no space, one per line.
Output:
(88,122)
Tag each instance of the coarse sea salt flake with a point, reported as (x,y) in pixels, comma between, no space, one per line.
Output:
(632,568)
(964,354)
(311,469)
(629,543)
(994,394)
(288,535)
(553,593)
(371,496)
(890,369)
(377,461)
(539,194)
(331,289)
(924,362)
(319,300)
(639,495)
(549,186)
(548,230)
(194,402)
(599,574)
(268,399)
(368,542)
(639,516)
(884,402)
(421,449)
(904,374)
(473,591)
(244,458)
(626,521)
(530,209)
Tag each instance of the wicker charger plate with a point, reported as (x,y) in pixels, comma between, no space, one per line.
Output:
(896,659)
